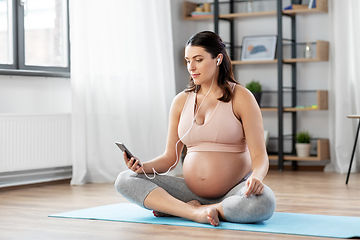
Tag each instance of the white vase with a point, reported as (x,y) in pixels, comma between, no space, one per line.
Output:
(249,6)
(307,51)
(303,149)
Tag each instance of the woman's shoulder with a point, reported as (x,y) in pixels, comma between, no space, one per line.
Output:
(181,97)
(179,100)
(243,99)
(241,92)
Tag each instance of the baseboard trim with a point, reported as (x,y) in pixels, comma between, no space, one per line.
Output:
(37,176)
(65,181)
(299,168)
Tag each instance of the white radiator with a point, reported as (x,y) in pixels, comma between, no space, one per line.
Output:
(29,142)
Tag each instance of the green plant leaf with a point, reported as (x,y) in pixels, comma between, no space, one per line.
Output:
(303,137)
(254,86)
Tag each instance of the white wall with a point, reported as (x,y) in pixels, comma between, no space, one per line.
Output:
(34,95)
(310,76)
(41,95)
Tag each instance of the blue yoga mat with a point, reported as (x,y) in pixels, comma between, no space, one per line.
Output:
(283,223)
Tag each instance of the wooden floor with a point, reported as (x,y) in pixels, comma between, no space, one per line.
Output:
(24,211)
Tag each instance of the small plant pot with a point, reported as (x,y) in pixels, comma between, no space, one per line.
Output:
(257,96)
(303,149)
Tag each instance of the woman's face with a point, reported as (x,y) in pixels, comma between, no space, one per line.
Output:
(200,65)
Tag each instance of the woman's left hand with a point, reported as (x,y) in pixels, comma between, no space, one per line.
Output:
(254,186)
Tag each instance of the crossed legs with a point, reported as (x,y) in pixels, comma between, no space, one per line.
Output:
(170,195)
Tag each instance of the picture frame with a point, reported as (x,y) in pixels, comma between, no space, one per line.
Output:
(258,48)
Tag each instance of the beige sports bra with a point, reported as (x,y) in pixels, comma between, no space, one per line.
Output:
(222,132)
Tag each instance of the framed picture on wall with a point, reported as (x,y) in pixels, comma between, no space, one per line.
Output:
(258,48)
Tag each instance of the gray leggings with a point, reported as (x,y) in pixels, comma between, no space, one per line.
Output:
(135,187)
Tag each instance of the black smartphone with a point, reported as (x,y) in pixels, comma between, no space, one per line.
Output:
(128,153)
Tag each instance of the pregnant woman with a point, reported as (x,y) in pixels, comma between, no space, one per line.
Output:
(221,125)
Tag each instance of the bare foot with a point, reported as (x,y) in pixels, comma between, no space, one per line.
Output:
(203,213)
(213,216)
(198,205)
(194,203)
(208,215)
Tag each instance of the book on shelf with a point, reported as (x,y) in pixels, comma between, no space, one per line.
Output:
(312,4)
(201,14)
(296,7)
(314,106)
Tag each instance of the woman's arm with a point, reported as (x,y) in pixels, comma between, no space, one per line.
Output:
(247,109)
(163,162)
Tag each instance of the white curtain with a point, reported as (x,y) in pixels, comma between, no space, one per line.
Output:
(123,82)
(344,89)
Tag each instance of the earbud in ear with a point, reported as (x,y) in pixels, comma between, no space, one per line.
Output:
(218,62)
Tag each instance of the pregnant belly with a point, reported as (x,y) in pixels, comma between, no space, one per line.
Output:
(213,174)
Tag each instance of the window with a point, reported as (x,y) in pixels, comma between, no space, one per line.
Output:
(34,38)
(6,32)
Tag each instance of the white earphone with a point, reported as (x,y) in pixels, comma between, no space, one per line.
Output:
(218,62)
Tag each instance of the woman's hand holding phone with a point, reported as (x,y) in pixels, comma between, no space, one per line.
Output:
(133,163)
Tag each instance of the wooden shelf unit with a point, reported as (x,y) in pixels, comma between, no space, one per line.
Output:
(323,153)
(238,62)
(244,15)
(321,102)
(322,54)
(189,7)
(321,7)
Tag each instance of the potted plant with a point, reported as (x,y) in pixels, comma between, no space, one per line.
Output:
(303,145)
(255,88)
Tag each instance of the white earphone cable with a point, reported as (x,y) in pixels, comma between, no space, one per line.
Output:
(176,150)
